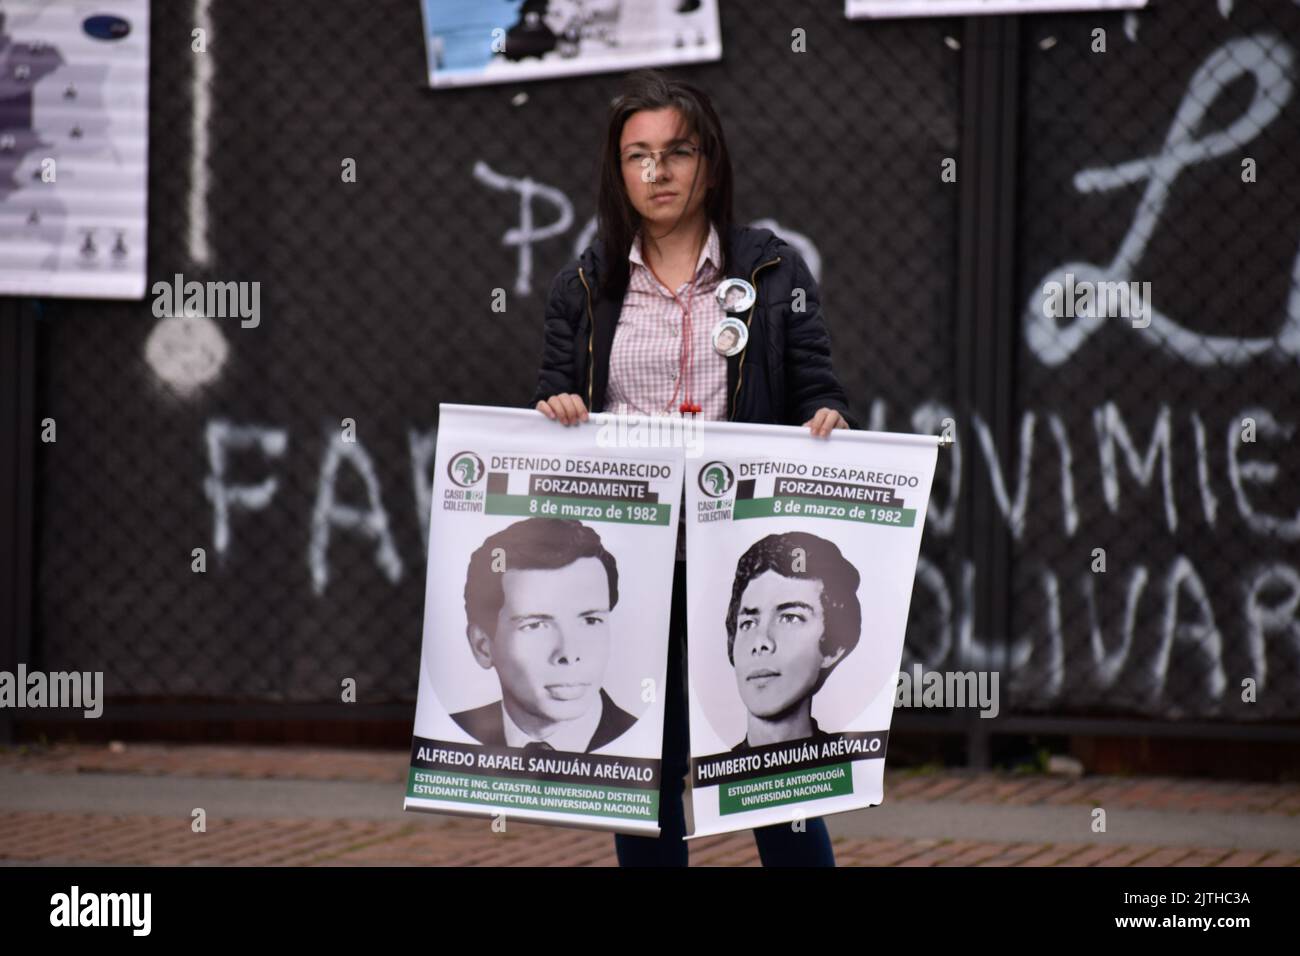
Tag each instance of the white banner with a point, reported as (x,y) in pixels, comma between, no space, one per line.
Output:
(473,42)
(541,691)
(951,8)
(801,554)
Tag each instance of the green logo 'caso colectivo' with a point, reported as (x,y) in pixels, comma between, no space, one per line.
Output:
(466,468)
(716,479)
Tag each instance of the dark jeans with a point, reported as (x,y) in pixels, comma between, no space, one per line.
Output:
(778,844)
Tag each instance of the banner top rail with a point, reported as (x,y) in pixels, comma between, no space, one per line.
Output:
(734,428)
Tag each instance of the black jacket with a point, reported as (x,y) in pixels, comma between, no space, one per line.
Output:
(485,725)
(781,377)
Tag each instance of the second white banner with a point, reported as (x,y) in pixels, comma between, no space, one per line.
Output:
(801,554)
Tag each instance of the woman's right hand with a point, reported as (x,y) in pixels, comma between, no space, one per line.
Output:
(567,409)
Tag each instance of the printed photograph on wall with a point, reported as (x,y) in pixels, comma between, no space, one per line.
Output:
(74,144)
(961,8)
(473,42)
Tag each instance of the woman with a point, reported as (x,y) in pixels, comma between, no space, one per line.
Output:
(629,328)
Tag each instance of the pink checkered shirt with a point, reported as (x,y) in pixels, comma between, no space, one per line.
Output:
(646,355)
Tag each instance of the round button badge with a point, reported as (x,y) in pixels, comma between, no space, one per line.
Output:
(736,295)
(730,336)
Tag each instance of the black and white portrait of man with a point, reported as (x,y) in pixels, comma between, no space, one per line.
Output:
(539,595)
(794,615)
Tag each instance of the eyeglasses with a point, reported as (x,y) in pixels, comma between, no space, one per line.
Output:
(680,156)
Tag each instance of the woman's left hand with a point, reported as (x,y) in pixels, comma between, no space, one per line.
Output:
(825,419)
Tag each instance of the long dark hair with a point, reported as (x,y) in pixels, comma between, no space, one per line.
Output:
(617,219)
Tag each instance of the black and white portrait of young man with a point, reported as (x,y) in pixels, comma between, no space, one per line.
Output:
(539,595)
(793,617)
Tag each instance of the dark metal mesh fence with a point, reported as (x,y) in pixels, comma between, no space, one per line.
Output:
(376,305)
(1136,167)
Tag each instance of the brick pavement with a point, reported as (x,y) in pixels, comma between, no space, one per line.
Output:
(67,838)
(79,838)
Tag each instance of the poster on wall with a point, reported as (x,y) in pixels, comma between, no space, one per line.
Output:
(960,8)
(74,145)
(474,42)
(801,558)
(545,625)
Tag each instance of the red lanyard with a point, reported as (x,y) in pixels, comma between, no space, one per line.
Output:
(687,407)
